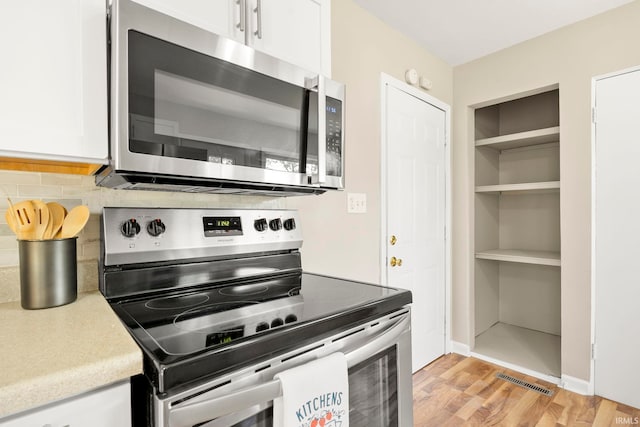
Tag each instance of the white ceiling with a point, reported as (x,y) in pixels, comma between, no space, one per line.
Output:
(460,31)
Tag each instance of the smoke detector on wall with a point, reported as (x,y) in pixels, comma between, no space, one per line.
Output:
(425,83)
(412,77)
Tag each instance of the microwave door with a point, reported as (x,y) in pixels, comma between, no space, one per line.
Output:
(200,116)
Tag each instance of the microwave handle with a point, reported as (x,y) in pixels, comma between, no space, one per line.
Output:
(319,83)
(189,415)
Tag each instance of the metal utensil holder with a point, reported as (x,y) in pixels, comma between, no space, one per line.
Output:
(48,272)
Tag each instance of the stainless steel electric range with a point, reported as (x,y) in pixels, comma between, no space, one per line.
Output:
(219,304)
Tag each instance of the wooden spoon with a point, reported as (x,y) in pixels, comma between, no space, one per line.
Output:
(25,219)
(41,219)
(75,221)
(58,212)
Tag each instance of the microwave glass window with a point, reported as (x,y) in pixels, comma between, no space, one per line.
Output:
(188,105)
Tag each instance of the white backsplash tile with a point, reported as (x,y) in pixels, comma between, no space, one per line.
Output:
(31,191)
(12,178)
(73,190)
(8,258)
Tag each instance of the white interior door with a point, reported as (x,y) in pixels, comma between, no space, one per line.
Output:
(616,237)
(415,199)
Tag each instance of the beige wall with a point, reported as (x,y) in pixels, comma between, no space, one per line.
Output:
(338,243)
(570,57)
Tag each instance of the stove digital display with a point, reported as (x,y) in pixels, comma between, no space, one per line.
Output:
(225,337)
(216,226)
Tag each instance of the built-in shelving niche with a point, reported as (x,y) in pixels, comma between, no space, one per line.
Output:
(517,232)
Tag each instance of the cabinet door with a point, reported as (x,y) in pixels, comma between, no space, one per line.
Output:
(297,31)
(218,16)
(105,407)
(53,80)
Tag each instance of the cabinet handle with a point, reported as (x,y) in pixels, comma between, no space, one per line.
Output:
(258,12)
(243,23)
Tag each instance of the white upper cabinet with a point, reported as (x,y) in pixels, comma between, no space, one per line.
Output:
(296,31)
(218,16)
(53,80)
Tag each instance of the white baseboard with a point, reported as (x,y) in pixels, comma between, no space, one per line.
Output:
(545,377)
(576,385)
(459,348)
(567,382)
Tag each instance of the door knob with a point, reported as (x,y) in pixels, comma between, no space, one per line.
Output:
(393,240)
(395,261)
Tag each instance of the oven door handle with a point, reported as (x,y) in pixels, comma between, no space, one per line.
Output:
(199,412)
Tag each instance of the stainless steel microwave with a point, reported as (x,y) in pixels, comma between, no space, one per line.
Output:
(193,111)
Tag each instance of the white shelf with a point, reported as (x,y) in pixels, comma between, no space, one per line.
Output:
(525,257)
(548,186)
(521,139)
(534,350)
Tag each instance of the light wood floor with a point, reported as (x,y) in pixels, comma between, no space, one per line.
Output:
(463,391)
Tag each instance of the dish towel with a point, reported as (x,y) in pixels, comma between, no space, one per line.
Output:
(315,394)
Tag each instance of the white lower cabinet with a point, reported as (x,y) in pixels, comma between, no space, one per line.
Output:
(53,81)
(105,407)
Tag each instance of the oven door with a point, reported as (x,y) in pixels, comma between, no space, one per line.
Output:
(379,358)
(188,103)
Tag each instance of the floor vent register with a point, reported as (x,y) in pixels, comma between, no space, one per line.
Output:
(525,384)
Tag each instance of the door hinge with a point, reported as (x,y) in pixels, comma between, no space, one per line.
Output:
(593,115)
(593,351)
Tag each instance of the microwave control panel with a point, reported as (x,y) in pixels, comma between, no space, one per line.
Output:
(334,136)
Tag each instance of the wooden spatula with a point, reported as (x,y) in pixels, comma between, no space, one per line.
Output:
(10,216)
(11,221)
(41,219)
(75,221)
(25,219)
(57,213)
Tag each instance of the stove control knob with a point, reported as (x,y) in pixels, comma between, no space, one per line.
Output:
(275,224)
(262,326)
(277,322)
(260,224)
(290,318)
(130,228)
(156,227)
(289,224)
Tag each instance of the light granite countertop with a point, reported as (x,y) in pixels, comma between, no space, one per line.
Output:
(47,355)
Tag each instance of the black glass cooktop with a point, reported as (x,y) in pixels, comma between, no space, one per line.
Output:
(233,325)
